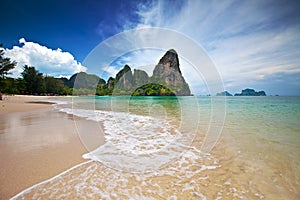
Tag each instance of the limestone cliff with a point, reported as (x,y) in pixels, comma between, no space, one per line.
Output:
(124,78)
(167,73)
(140,78)
(166,78)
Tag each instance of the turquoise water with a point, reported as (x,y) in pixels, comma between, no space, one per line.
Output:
(271,118)
(249,123)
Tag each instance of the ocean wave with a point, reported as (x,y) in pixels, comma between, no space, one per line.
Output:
(133,142)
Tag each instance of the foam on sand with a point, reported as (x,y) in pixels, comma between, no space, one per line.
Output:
(144,159)
(133,142)
(182,178)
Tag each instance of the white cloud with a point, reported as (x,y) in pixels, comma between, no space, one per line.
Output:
(248,41)
(48,61)
(111,71)
(255,56)
(22,41)
(142,59)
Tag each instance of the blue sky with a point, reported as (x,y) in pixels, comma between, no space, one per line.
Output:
(252,43)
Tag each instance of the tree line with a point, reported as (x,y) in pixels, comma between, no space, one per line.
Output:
(31,82)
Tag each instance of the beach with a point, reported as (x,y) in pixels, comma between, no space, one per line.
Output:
(41,153)
(36,143)
(22,103)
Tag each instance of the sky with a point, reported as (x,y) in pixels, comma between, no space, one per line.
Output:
(253,44)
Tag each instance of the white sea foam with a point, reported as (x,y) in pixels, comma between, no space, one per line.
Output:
(134,143)
(93,180)
(57,102)
(48,180)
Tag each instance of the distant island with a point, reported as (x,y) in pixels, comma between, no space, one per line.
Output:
(245,92)
(250,92)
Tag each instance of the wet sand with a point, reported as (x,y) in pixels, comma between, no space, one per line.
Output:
(233,178)
(36,143)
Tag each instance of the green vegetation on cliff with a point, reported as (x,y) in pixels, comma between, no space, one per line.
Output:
(153,89)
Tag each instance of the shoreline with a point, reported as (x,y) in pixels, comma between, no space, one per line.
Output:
(243,164)
(23,103)
(36,143)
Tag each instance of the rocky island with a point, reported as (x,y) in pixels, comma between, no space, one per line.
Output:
(245,92)
(166,80)
(250,92)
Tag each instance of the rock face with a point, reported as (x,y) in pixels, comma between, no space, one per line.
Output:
(250,92)
(140,77)
(124,78)
(167,73)
(166,79)
(84,80)
(111,83)
(168,61)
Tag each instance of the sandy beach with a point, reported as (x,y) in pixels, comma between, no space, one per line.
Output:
(36,143)
(22,103)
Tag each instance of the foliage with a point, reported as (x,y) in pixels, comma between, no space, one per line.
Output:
(103,90)
(13,86)
(54,85)
(33,80)
(153,89)
(5,64)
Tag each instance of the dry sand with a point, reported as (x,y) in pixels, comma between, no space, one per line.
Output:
(36,143)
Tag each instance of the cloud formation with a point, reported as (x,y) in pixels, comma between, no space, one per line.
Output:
(48,61)
(252,43)
(248,41)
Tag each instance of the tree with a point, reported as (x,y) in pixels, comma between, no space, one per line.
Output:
(33,80)
(5,66)
(153,89)
(54,85)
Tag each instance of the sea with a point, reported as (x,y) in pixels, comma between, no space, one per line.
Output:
(180,148)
